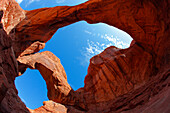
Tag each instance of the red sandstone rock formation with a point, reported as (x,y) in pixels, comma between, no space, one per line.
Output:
(129,80)
(9,100)
(53,73)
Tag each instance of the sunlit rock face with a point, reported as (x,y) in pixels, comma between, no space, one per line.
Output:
(129,80)
(13,14)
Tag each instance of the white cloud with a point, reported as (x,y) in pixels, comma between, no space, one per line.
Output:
(59,1)
(94,48)
(115,41)
(88,32)
(31,1)
(91,33)
(19,1)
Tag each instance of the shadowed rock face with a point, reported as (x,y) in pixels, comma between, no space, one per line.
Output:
(10,102)
(129,80)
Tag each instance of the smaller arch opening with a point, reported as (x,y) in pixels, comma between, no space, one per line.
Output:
(31,88)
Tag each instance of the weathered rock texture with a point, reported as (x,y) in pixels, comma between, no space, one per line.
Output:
(53,73)
(10,102)
(129,80)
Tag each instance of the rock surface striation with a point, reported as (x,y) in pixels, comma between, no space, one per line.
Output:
(131,80)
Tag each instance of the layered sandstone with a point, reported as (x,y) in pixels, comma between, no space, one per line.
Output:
(129,80)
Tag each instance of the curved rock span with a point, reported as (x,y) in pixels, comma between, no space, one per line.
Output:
(131,80)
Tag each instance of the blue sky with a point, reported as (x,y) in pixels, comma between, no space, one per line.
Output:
(74,45)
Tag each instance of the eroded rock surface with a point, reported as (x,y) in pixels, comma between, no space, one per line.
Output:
(9,100)
(50,107)
(129,80)
(53,73)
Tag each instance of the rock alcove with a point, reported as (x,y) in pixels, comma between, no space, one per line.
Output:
(138,82)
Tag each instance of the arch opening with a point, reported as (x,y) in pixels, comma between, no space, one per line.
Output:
(31,88)
(75,44)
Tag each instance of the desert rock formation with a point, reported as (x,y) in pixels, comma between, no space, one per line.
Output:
(129,80)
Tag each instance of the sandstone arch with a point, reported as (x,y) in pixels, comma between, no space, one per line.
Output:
(133,77)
